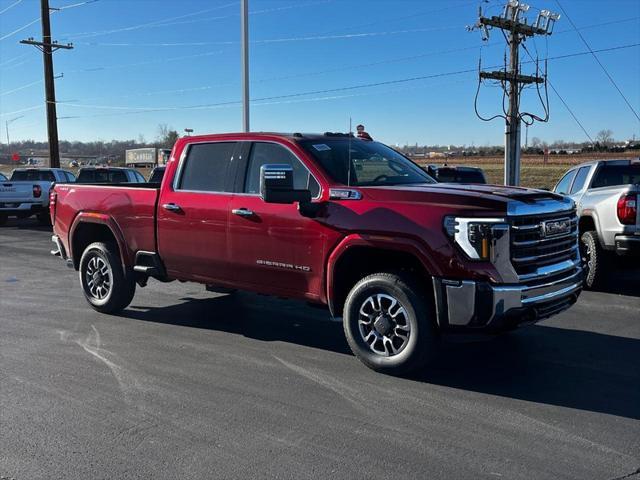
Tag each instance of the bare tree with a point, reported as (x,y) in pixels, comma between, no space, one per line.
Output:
(605,137)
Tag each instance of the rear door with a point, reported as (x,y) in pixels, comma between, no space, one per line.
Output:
(193,213)
(274,249)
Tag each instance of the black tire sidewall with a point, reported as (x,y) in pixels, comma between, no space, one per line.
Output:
(414,353)
(594,265)
(122,288)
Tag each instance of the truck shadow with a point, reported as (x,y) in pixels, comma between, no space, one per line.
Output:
(30,223)
(622,277)
(569,368)
(548,365)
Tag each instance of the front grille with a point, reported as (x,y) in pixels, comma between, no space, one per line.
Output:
(532,248)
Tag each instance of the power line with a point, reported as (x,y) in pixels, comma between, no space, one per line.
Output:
(19,29)
(146,24)
(313,92)
(575,117)
(272,40)
(10,34)
(10,6)
(22,87)
(613,82)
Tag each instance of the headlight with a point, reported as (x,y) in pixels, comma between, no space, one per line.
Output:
(476,236)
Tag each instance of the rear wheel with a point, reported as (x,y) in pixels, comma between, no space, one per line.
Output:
(3,219)
(389,323)
(106,286)
(593,257)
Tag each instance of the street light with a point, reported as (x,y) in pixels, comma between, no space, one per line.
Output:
(188,131)
(6,126)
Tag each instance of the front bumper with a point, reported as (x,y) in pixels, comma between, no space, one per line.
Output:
(627,244)
(469,305)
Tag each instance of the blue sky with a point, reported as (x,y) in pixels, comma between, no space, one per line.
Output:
(164,56)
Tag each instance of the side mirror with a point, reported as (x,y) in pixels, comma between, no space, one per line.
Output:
(276,185)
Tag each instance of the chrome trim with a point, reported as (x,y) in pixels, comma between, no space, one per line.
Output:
(551,295)
(464,303)
(544,255)
(541,206)
(550,270)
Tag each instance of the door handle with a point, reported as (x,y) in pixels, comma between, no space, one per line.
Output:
(242,212)
(172,207)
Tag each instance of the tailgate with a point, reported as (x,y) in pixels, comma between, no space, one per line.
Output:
(16,192)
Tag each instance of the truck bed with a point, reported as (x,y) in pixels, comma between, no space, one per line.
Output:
(128,208)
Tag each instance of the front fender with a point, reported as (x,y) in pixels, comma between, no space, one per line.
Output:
(401,244)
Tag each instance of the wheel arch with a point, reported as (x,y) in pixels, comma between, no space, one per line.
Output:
(357,256)
(90,227)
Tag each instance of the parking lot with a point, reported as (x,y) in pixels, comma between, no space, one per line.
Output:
(189,384)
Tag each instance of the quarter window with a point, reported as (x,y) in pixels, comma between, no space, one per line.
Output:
(581,178)
(565,183)
(270,153)
(206,166)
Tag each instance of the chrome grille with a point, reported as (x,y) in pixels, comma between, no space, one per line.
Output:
(531,248)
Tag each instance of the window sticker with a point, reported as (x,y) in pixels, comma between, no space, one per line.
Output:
(321,147)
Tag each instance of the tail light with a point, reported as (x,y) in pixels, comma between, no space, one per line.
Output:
(37,191)
(628,208)
(53,198)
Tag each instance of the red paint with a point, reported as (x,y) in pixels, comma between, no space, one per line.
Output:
(276,250)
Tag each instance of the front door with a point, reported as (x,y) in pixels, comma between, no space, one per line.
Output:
(193,213)
(274,249)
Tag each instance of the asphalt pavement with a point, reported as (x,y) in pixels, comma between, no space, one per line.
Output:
(187,384)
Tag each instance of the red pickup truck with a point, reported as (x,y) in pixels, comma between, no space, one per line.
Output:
(336,221)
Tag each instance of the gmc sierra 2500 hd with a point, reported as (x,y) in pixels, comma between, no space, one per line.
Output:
(333,220)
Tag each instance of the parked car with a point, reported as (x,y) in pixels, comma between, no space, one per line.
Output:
(109,175)
(333,220)
(157,174)
(26,193)
(456,174)
(606,192)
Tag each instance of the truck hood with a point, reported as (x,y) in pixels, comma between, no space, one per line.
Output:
(478,197)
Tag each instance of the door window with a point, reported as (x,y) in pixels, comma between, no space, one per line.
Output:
(272,153)
(206,166)
(564,184)
(581,177)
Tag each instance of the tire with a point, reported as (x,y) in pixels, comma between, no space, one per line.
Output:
(105,285)
(369,334)
(593,258)
(3,219)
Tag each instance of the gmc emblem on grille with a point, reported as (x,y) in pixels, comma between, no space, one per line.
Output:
(553,228)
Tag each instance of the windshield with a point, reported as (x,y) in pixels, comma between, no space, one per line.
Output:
(612,174)
(369,163)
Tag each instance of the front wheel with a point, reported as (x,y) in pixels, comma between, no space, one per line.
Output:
(593,257)
(389,324)
(3,219)
(106,286)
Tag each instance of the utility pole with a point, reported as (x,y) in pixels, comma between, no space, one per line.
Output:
(47,47)
(6,126)
(516,29)
(244,32)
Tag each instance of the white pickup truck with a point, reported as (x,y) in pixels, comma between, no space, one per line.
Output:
(606,193)
(26,193)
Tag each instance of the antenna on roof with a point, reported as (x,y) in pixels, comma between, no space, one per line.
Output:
(349,155)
